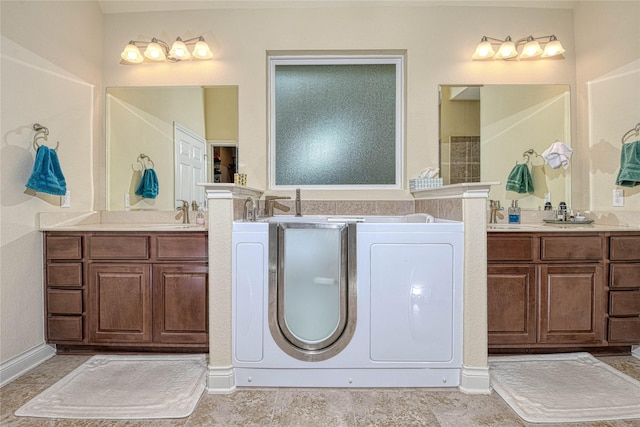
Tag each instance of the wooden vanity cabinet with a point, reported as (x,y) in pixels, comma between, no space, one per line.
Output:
(545,290)
(128,290)
(624,285)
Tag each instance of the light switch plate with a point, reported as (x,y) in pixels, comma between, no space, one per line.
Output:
(618,197)
(65,201)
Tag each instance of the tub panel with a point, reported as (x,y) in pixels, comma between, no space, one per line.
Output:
(412,298)
(249,291)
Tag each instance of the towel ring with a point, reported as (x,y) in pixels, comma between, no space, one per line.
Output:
(635,130)
(144,161)
(41,132)
(526,155)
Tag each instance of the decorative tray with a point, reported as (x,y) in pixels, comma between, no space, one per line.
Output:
(574,222)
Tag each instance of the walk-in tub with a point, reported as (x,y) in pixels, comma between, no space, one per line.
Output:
(347,302)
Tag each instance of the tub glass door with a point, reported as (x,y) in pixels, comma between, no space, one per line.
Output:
(312,283)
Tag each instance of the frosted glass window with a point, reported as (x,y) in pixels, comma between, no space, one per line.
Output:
(336,122)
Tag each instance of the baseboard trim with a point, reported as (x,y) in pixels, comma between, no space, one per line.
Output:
(24,362)
(475,380)
(221,380)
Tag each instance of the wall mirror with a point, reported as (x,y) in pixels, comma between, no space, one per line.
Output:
(185,134)
(485,130)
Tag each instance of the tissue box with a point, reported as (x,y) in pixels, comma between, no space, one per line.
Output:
(422,183)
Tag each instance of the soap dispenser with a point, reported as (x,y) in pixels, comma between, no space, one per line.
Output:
(514,213)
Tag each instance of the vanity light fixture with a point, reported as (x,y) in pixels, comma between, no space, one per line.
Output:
(524,48)
(157,50)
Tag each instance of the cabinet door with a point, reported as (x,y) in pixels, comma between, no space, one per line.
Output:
(120,303)
(180,303)
(511,302)
(570,308)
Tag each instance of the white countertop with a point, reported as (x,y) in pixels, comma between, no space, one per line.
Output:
(125,227)
(545,228)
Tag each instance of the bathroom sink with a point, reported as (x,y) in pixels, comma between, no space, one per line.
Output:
(514,226)
(173,226)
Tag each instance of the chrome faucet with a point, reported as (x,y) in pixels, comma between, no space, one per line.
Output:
(494,205)
(270,203)
(184,212)
(298,203)
(249,210)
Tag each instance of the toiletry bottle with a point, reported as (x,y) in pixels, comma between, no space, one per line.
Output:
(562,211)
(514,213)
(200,217)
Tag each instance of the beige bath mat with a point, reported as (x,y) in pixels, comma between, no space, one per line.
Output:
(573,387)
(124,387)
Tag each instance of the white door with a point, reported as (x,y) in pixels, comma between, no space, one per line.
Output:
(190,165)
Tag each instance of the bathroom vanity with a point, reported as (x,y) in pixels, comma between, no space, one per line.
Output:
(126,290)
(563,288)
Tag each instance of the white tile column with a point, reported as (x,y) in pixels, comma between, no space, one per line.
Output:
(221,377)
(475,370)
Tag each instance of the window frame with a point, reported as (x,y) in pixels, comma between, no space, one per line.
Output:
(347,59)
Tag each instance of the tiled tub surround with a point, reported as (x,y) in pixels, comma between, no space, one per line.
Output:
(462,202)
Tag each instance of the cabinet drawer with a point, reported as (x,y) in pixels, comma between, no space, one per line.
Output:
(118,247)
(171,247)
(624,275)
(624,303)
(64,274)
(64,328)
(510,248)
(624,248)
(564,248)
(64,301)
(624,330)
(64,247)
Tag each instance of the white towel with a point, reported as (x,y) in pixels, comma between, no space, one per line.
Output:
(558,155)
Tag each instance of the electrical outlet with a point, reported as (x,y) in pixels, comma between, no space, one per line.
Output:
(65,201)
(618,197)
(547,198)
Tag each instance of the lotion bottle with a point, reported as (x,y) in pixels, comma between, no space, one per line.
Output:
(514,213)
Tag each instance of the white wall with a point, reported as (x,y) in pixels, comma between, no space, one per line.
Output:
(608,76)
(51,74)
(439,42)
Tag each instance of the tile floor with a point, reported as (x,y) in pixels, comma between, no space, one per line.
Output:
(305,407)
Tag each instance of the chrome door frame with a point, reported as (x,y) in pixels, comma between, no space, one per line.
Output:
(334,344)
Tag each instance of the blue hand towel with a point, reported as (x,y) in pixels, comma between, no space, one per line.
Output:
(47,176)
(519,179)
(148,187)
(629,175)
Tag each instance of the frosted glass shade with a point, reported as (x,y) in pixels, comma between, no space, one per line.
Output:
(179,50)
(155,52)
(202,50)
(132,54)
(484,50)
(553,48)
(531,50)
(507,50)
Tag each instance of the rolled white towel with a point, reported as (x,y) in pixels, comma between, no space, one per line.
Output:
(558,154)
